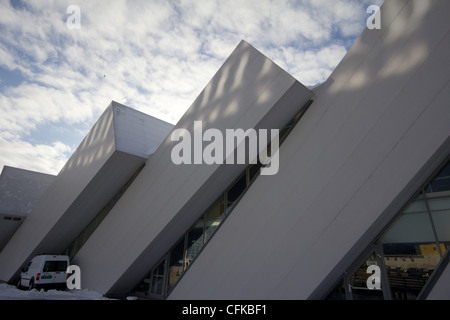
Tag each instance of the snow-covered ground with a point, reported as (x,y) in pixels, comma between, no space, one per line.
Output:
(8,292)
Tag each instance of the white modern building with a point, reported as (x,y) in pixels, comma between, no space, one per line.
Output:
(363,183)
(20,190)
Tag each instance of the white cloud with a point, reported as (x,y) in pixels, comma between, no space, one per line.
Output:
(42,158)
(155,56)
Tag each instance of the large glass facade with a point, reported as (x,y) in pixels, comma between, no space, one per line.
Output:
(413,245)
(181,256)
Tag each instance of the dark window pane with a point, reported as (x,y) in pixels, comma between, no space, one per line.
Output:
(236,190)
(157,279)
(176,263)
(55,266)
(441,182)
(216,210)
(194,242)
(440,212)
(253,170)
(214,217)
(338,293)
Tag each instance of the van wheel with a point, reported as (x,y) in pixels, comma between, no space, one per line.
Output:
(31,285)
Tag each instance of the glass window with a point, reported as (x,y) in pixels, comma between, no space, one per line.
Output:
(441,182)
(338,293)
(409,266)
(359,287)
(55,266)
(214,217)
(253,171)
(440,212)
(194,241)
(216,210)
(413,245)
(142,287)
(176,263)
(410,251)
(412,226)
(236,190)
(157,279)
(438,196)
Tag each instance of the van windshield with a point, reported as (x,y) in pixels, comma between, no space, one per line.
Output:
(55,266)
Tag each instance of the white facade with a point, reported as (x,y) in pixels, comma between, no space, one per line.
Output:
(20,190)
(375,130)
(97,170)
(365,151)
(249,91)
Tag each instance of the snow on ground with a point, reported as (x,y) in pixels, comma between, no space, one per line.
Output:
(8,292)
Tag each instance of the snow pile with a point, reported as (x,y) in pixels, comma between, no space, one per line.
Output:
(8,292)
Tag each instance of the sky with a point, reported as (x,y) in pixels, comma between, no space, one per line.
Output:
(153,56)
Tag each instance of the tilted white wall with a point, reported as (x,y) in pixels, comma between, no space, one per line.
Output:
(375,125)
(96,171)
(20,190)
(165,199)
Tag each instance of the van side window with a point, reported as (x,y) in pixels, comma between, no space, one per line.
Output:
(55,266)
(25,269)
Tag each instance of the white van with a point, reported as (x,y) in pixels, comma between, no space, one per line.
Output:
(45,271)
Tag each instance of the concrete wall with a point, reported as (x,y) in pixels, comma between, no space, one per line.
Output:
(166,199)
(20,190)
(91,177)
(374,127)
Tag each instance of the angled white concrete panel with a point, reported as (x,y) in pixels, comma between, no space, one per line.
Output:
(374,125)
(166,199)
(20,190)
(105,160)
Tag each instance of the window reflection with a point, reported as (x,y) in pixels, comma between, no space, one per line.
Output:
(440,212)
(358,282)
(236,190)
(253,171)
(143,287)
(412,226)
(157,279)
(410,251)
(214,217)
(413,245)
(194,241)
(176,263)
(438,196)
(441,182)
(409,266)
(338,293)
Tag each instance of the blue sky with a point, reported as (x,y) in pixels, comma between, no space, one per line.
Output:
(154,56)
